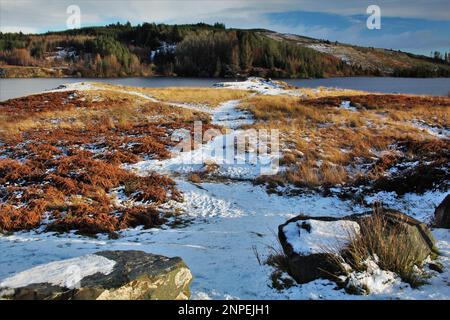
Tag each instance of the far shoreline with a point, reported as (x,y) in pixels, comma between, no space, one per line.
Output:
(224,78)
(16,87)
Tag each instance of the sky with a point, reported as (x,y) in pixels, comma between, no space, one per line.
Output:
(417,26)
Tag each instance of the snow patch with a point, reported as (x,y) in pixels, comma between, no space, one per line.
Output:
(65,273)
(315,236)
(373,280)
(260,85)
(75,86)
(442,133)
(165,48)
(347,105)
(199,203)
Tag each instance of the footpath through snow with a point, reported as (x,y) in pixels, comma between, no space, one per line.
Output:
(222,151)
(229,223)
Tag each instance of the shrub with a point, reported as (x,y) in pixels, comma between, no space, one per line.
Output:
(147,217)
(21,57)
(15,219)
(87,220)
(195,178)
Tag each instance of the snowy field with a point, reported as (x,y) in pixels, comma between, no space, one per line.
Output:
(227,222)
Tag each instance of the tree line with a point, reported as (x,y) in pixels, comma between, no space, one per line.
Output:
(201,50)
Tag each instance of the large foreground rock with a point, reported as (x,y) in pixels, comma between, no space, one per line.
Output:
(105,275)
(442,214)
(312,244)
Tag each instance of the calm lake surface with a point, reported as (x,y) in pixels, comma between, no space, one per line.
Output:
(13,88)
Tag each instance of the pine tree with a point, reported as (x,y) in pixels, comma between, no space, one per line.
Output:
(218,70)
(246,54)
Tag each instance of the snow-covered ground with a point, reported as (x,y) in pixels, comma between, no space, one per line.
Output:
(419,206)
(62,53)
(228,222)
(230,219)
(164,48)
(324,48)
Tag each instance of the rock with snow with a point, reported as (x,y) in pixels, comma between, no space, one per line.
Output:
(314,245)
(442,214)
(105,275)
(311,244)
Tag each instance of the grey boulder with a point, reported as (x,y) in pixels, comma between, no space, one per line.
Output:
(132,275)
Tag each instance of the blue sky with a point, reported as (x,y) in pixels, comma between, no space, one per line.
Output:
(409,34)
(416,25)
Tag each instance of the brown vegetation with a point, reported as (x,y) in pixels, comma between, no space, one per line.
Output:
(61,155)
(326,145)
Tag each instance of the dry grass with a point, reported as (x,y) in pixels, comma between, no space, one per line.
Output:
(325,145)
(203,96)
(433,110)
(207,173)
(321,92)
(278,260)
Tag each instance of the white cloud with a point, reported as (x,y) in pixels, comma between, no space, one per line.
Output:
(44,15)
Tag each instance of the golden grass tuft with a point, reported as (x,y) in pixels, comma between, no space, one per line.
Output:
(390,244)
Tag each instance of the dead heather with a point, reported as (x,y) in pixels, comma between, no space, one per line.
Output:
(206,174)
(61,155)
(382,140)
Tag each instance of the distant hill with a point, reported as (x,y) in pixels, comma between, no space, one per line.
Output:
(199,50)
